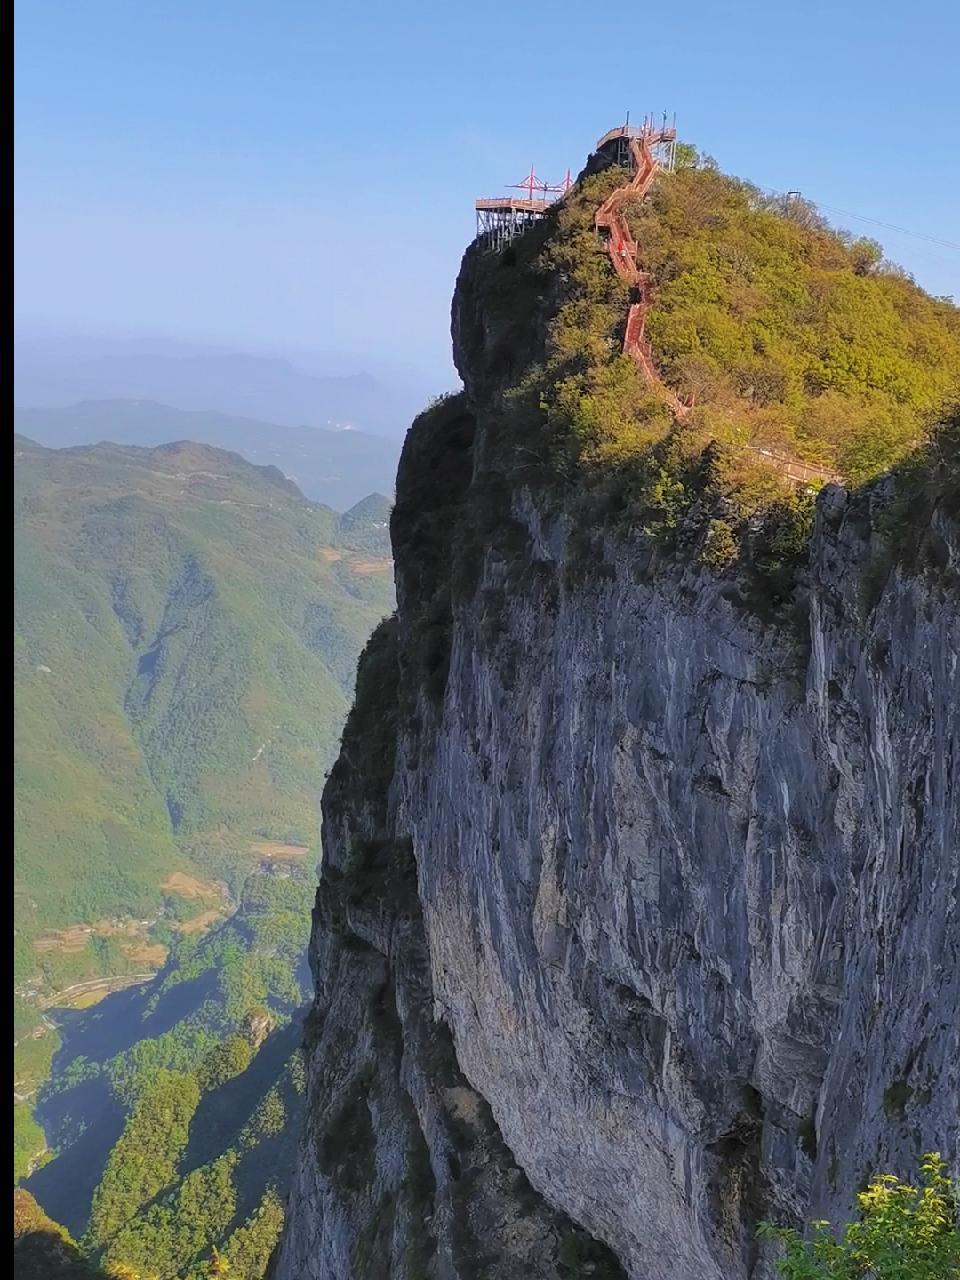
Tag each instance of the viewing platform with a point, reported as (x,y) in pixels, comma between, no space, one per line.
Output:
(495,205)
(500,218)
(638,131)
(657,136)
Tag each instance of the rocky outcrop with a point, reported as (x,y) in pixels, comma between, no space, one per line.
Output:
(403,1170)
(647,925)
(638,917)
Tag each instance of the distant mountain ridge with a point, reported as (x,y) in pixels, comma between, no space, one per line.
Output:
(58,373)
(337,468)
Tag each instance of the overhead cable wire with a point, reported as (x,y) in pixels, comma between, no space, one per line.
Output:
(862,217)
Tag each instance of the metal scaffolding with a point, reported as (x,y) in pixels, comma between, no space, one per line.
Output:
(499,219)
(660,136)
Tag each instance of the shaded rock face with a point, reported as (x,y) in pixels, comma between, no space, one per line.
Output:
(690,888)
(403,1171)
(638,918)
(647,928)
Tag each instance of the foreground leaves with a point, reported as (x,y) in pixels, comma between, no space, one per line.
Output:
(902,1233)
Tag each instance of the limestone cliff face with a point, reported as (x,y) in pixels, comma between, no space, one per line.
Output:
(638,919)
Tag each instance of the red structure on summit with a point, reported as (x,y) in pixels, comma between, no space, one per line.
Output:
(499,219)
(532,183)
(645,149)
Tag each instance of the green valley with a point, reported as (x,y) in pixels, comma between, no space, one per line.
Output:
(174,1106)
(186,630)
(186,633)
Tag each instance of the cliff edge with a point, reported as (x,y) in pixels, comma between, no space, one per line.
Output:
(638,914)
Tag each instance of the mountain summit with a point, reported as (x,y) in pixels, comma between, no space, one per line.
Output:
(637,923)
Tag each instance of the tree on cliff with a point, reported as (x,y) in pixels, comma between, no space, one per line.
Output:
(219,1266)
(901,1233)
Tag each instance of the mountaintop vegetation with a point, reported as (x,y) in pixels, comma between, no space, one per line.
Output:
(784,332)
(780,334)
(776,329)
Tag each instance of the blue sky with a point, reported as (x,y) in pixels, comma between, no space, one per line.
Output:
(299,174)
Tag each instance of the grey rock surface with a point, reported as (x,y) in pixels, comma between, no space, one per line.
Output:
(690,895)
(685,923)
(638,920)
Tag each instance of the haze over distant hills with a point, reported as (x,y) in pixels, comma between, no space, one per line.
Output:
(337,468)
(62,371)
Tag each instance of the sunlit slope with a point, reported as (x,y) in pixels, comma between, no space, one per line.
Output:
(186,629)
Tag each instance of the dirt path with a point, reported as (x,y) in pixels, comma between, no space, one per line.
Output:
(107,985)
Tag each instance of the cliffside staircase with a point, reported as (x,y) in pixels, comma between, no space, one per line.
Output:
(646,149)
(642,144)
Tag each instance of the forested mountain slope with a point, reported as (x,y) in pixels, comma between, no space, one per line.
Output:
(174,1108)
(335,467)
(186,630)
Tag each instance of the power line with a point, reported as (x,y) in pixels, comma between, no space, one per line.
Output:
(890,226)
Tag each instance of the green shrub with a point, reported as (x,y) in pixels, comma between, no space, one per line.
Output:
(720,546)
(901,1233)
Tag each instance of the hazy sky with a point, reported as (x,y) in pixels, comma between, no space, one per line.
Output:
(297,173)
